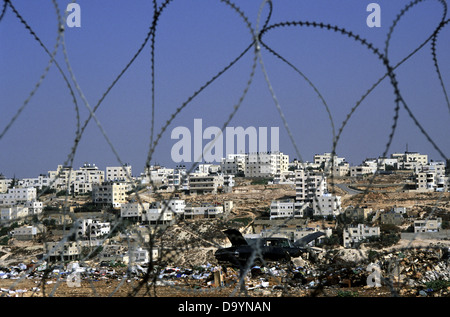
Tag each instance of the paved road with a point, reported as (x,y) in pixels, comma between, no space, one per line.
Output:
(350,191)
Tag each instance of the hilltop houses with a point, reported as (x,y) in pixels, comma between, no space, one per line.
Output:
(196,195)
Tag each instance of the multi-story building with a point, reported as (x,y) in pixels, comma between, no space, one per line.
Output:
(342,169)
(284,178)
(425,181)
(24,233)
(233,164)
(178,179)
(16,196)
(157,214)
(309,185)
(92,229)
(34,207)
(59,251)
(203,211)
(228,206)
(76,181)
(110,193)
(85,177)
(228,183)
(410,160)
(327,205)
(39,182)
(352,234)
(284,208)
(176,206)
(119,173)
(443,184)
(265,164)
(157,175)
(14,214)
(430,177)
(133,211)
(361,170)
(205,184)
(62,177)
(384,161)
(427,225)
(328,161)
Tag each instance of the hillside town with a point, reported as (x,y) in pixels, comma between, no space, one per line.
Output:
(79,220)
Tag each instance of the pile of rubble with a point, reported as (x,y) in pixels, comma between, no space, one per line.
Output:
(414,271)
(408,272)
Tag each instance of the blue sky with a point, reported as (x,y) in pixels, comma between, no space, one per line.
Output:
(196,39)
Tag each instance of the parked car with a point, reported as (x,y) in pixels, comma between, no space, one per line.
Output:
(258,251)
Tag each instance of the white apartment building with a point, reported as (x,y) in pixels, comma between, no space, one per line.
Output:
(66,251)
(284,178)
(352,235)
(205,184)
(203,211)
(383,161)
(328,161)
(206,168)
(233,164)
(228,205)
(309,185)
(34,207)
(119,173)
(327,205)
(158,215)
(410,160)
(425,181)
(156,175)
(287,208)
(62,177)
(80,187)
(138,256)
(228,183)
(176,206)
(361,170)
(110,193)
(373,164)
(443,184)
(282,209)
(265,164)
(24,233)
(16,196)
(38,182)
(92,229)
(13,214)
(431,177)
(342,169)
(85,177)
(178,179)
(133,210)
(76,181)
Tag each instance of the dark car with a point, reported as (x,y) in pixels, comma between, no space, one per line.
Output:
(248,252)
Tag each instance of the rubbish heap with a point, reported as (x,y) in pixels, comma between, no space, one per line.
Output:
(407,272)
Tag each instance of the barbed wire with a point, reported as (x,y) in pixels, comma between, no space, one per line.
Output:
(149,280)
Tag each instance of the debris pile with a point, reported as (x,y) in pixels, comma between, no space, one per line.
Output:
(407,272)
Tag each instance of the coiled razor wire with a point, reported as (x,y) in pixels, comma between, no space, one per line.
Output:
(150,281)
